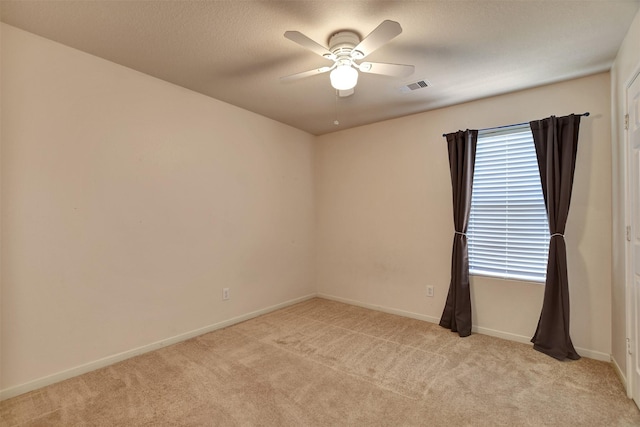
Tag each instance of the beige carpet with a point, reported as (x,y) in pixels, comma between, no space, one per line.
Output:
(323,363)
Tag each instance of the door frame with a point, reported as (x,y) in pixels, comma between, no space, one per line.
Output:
(629,273)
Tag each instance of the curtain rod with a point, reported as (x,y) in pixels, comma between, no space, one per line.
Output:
(519,124)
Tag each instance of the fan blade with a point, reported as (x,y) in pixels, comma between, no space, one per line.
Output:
(307,43)
(305,74)
(395,70)
(381,35)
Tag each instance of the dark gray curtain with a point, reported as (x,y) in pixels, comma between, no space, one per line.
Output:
(462,155)
(556,142)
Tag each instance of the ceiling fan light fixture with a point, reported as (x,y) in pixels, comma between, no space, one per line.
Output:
(344,77)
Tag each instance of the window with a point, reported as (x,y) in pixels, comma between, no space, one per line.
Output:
(508,231)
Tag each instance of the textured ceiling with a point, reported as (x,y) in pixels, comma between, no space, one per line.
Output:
(235,51)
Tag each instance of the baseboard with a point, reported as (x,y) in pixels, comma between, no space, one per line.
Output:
(621,375)
(384,309)
(584,352)
(509,336)
(591,354)
(110,360)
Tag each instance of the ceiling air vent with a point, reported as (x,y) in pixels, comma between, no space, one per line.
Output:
(420,84)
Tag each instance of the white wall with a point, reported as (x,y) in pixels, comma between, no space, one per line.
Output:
(627,63)
(384,215)
(128,204)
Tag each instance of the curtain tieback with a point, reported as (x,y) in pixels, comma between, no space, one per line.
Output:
(462,234)
(558,234)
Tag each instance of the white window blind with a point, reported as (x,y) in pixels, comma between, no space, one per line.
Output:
(508,231)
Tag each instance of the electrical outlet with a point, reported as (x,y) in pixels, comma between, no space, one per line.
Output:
(429,291)
(225,294)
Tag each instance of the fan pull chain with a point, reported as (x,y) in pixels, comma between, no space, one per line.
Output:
(336,122)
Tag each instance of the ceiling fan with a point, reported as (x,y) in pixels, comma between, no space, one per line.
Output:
(346,50)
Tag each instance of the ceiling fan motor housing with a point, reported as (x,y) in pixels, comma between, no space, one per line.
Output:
(341,44)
